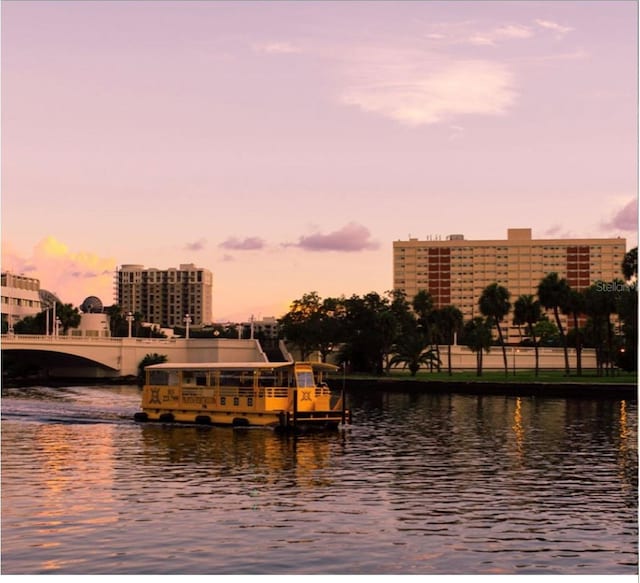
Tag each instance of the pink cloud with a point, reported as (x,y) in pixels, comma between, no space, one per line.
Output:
(351,237)
(246,244)
(198,245)
(72,276)
(626,219)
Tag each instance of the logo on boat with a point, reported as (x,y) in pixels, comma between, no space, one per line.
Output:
(306,396)
(155,396)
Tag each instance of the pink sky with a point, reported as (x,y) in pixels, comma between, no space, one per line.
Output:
(286,145)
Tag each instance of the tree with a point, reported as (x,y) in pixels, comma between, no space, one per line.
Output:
(116,320)
(148,360)
(422,304)
(553,293)
(494,304)
(630,264)
(527,311)
(402,311)
(411,350)
(627,310)
(547,332)
(450,319)
(29,325)
(477,336)
(575,306)
(69,316)
(370,328)
(300,324)
(600,303)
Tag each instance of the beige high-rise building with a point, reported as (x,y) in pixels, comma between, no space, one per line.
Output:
(166,297)
(455,270)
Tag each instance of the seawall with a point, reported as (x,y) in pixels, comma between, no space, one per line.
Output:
(479,387)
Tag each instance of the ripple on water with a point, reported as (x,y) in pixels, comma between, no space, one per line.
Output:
(434,484)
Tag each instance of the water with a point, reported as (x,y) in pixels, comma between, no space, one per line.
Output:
(431,484)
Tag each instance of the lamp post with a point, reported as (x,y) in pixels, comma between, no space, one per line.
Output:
(129,321)
(187,321)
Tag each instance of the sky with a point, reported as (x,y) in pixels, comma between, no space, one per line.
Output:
(285,145)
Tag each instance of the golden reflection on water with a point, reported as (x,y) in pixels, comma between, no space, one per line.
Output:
(518,429)
(224,449)
(624,430)
(65,469)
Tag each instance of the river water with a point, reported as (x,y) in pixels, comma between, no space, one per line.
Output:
(420,484)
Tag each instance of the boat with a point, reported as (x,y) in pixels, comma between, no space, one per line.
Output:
(280,395)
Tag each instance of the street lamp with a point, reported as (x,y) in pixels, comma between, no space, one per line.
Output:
(187,321)
(129,321)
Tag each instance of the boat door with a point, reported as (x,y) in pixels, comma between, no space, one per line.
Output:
(305,388)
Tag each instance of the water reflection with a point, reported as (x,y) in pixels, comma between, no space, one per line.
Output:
(221,452)
(441,483)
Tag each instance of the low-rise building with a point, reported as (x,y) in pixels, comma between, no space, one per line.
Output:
(20,298)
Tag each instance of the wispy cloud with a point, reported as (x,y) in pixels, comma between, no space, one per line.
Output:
(626,219)
(198,245)
(351,237)
(277,48)
(246,244)
(415,88)
(559,29)
(501,33)
(559,232)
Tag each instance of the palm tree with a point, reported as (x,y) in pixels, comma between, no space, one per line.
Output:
(494,304)
(600,303)
(410,351)
(527,311)
(422,306)
(450,319)
(575,307)
(148,360)
(477,336)
(554,293)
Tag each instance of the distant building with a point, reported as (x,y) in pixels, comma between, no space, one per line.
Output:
(266,328)
(455,270)
(166,297)
(20,298)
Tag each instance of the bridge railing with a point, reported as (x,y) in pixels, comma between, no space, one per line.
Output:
(42,338)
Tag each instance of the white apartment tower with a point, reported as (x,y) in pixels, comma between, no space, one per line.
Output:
(166,297)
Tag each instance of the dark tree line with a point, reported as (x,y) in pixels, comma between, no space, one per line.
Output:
(374,332)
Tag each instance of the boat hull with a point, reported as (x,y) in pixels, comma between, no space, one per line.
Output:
(303,420)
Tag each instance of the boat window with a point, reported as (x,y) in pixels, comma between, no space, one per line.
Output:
(236,379)
(163,377)
(267,379)
(305,379)
(194,378)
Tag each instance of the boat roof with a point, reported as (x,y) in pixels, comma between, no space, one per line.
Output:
(235,365)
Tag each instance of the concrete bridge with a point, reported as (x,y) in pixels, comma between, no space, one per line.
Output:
(88,357)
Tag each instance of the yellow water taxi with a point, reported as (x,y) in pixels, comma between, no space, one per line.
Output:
(281,395)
